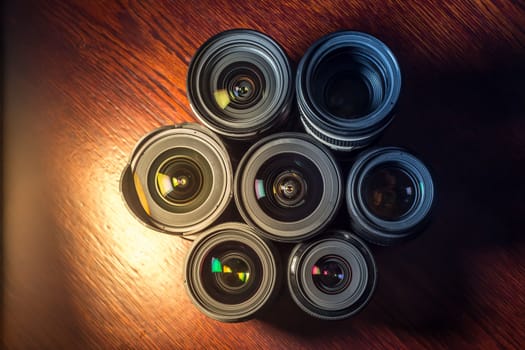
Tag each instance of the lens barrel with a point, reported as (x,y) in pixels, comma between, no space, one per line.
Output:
(389,195)
(347,86)
(179,179)
(231,272)
(332,277)
(288,186)
(239,84)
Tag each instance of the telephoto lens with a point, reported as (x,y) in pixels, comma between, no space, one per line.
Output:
(231,272)
(347,86)
(179,179)
(239,84)
(288,186)
(333,277)
(389,194)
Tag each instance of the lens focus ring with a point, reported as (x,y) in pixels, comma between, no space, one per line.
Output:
(347,86)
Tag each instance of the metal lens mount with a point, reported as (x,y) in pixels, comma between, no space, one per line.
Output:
(389,194)
(288,186)
(347,86)
(179,179)
(231,272)
(240,84)
(332,277)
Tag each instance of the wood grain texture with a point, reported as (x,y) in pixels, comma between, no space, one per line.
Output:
(85,80)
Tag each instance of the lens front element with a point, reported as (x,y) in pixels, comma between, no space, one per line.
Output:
(231,272)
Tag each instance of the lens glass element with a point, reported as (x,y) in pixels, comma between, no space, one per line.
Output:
(288,187)
(231,272)
(331,274)
(389,192)
(181,180)
(241,85)
(346,85)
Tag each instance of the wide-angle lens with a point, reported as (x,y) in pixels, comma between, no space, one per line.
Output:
(239,84)
(179,179)
(332,277)
(288,186)
(389,194)
(231,272)
(347,86)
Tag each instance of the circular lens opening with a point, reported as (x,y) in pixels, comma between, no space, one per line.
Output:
(389,192)
(240,86)
(332,277)
(231,272)
(288,187)
(331,274)
(347,84)
(389,195)
(179,180)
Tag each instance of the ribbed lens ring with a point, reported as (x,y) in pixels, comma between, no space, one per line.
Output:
(389,195)
(179,179)
(351,284)
(231,272)
(239,84)
(347,86)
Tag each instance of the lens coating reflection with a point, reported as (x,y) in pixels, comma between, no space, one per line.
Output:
(331,274)
(288,187)
(231,272)
(240,86)
(389,192)
(179,180)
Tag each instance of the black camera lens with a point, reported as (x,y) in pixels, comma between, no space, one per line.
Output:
(240,84)
(288,186)
(390,194)
(179,179)
(333,277)
(231,272)
(347,86)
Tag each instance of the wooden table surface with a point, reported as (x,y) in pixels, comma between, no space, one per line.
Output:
(84,80)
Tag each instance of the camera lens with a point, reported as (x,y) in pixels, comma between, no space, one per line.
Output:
(333,277)
(231,272)
(179,179)
(390,194)
(347,86)
(288,187)
(240,84)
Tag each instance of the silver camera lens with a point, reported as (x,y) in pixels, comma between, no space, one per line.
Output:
(239,84)
(347,86)
(179,179)
(288,186)
(332,277)
(231,272)
(389,194)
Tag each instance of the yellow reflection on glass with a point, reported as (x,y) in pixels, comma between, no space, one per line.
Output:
(222,98)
